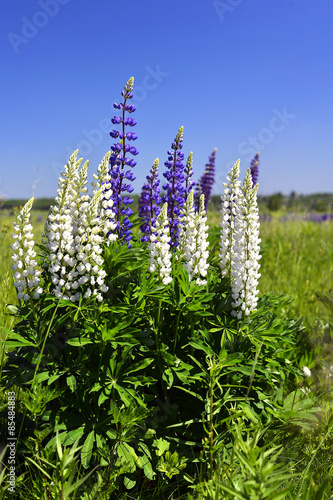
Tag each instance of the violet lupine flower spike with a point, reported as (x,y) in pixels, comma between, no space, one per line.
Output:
(119,162)
(189,184)
(206,181)
(174,187)
(149,201)
(255,169)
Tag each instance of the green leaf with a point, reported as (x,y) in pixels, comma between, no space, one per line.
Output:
(162,445)
(71,382)
(13,309)
(87,448)
(139,366)
(245,462)
(77,342)
(19,340)
(129,483)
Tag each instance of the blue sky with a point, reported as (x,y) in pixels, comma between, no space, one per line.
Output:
(239,75)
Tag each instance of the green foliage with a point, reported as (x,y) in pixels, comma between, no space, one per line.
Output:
(158,392)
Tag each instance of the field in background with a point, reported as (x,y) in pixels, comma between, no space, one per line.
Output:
(297,260)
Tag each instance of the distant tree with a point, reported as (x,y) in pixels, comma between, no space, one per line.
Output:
(274,202)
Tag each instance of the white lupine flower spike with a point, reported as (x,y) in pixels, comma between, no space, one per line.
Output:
(187,221)
(90,272)
(102,181)
(246,254)
(193,240)
(76,229)
(159,247)
(63,220)
(26,274)
(229,202)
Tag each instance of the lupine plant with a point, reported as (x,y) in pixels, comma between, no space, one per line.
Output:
(254,167)
(149,201)
(206,181)
(26,274)
(174,187)
(119,161)
(145,367)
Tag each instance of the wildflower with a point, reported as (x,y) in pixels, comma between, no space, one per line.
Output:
(229,203)
(245,255)
(63,227)
(206,181)
(149,201)
(306,371)
(119,161)
(26,276)
(193,242)
(189,184)
(159,247)
(102,180)
(174,188)
(90,271)
(255,169)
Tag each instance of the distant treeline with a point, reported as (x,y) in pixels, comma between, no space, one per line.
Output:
(319,202)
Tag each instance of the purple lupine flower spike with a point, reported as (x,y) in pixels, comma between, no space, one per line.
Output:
(255,169)
(119,161)
(149,201)
(175,190)
(206,182)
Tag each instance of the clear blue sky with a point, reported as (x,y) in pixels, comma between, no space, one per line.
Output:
(239,75)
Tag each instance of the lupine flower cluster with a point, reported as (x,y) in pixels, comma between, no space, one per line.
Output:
(175,190)
(78,225)
(193,240)
(149,201)
(255,169)
(75,230)
(119,161)
(159,248)
(239,241)
(206,181)
(26,274)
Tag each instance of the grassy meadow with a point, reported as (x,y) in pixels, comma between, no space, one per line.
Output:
(297,261)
